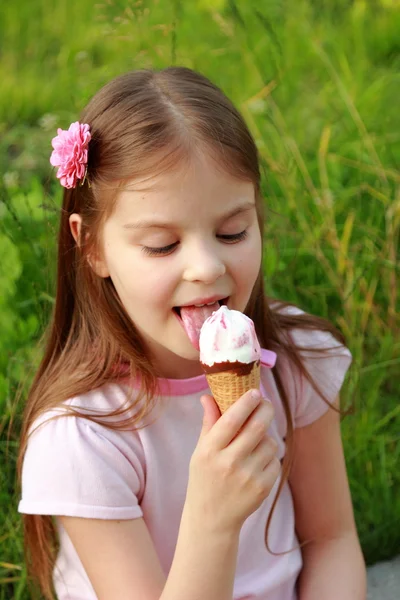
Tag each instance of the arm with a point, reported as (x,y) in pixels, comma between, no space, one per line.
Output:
(121,562)
(333,564)
(198,553)
(234,458)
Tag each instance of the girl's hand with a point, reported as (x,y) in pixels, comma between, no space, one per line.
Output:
(234,465)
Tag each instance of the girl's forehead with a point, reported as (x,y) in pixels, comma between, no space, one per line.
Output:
(198,186)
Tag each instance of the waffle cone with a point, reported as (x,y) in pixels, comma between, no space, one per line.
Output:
(227,386)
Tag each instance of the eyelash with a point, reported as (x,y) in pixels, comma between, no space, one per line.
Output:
(229,239)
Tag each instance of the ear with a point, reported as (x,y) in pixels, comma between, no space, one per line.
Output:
(98,264)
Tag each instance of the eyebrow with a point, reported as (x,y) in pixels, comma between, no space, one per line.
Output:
(144,224)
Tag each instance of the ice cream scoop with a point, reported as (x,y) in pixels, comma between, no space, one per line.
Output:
(230,355)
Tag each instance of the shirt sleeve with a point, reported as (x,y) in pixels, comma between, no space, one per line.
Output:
(327,369)
(74,467)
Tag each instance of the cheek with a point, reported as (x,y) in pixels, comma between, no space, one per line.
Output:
(249,263)
(158,283)
(142,280)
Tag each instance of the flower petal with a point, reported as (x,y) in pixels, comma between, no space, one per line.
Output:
(70,153)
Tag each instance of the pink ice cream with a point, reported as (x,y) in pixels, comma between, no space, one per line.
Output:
(228,338)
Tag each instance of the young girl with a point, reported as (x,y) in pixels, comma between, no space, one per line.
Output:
(134,487)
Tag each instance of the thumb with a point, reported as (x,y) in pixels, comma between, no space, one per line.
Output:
(211,413)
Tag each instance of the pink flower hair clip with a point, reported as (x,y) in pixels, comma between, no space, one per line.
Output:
(70,154)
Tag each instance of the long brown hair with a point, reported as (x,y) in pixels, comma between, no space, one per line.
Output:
(142,124)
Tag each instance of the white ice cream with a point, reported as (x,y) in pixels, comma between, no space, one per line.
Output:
(228,336)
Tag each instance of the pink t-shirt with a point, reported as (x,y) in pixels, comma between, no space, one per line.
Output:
(75,467)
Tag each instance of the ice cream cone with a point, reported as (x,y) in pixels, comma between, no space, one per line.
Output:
(228,386)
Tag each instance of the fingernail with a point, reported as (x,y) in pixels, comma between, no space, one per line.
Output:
(255,394)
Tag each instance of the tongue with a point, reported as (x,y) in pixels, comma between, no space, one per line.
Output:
(193,318)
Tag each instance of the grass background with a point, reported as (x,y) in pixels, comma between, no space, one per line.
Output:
(318,83)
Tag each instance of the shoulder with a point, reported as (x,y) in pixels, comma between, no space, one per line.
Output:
(104,404)
(100,421)
(103,400)
(310,332)
(324,360)
(78,466)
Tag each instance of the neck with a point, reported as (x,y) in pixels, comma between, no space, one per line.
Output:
(180,368)
(170,366)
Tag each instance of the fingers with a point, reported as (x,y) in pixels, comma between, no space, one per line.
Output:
(271,472)
(264,453)
(254,431)
(231,422)
(211,413)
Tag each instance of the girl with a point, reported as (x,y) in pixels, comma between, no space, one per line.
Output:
(134,487)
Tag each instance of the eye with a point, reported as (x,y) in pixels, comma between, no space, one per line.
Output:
(234,237)
(159,251)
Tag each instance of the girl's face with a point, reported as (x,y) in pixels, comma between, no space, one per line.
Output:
(193,238)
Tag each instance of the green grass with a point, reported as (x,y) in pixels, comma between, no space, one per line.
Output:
(318,82)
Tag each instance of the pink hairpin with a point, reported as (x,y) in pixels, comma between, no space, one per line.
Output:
(70,153)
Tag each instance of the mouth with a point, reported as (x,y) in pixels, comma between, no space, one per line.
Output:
(192,316)
(216,304)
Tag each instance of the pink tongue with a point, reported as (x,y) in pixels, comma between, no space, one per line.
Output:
(193,318)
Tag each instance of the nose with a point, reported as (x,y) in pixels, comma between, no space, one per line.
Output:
(203,263)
